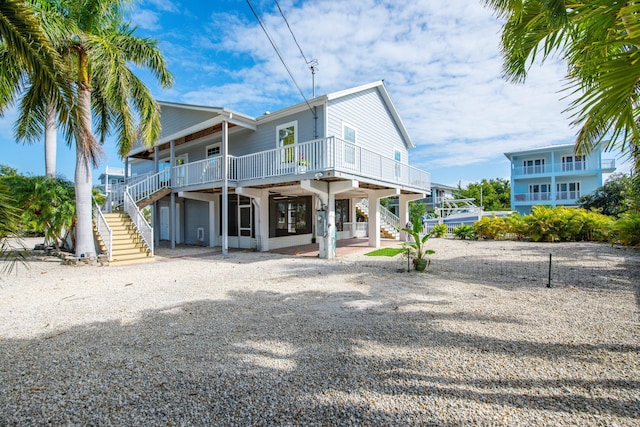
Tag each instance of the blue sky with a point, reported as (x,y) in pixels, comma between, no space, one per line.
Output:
(439,60)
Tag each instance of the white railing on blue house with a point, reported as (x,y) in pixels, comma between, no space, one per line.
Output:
(546,196)
(589,166)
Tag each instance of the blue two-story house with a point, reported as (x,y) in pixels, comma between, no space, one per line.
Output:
(554,176)
(217,177)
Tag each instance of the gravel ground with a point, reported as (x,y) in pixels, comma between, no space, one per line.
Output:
(266,339)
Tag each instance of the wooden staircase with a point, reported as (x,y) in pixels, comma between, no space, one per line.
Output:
(152,198)
(387,231)
(128,247)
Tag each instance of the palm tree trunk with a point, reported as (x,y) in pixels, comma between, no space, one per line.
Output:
(50,142)
(85,244)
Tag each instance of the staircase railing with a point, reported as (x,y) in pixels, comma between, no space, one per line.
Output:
(104,231)
(140,188)
(141,224)
(386,216)
(144,188)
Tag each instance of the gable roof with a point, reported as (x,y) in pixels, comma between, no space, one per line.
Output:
(213,116)
(323,99)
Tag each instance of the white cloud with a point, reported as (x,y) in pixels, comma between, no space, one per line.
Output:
(145,18)
(440,61)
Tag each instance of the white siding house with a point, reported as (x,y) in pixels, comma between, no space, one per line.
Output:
(221,178)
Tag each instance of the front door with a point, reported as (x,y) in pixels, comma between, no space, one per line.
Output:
(164,222)
(245,215)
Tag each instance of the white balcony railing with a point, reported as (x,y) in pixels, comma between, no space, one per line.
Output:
(532,197)
(567,195)
(313,156)
(573,167)
(542,197)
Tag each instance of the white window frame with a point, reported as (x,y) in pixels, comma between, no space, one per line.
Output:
(574,161)
(349,150)
(575,192)
(284,157)
(533,168)
(539,195)
(210,146)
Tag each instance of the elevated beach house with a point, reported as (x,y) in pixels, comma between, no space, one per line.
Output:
(217,177)
(554,176)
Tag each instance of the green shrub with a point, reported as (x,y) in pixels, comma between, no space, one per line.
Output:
(627,230)
(490,228)
(545,224)
(514,225)
(439,230)
(464,232)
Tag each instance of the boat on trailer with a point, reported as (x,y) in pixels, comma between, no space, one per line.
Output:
(459,211)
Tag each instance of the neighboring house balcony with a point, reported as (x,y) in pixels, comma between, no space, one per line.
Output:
(322,159)
(573,168)
(568,197)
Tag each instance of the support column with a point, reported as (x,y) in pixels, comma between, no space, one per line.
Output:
(403,211)
(172,206)
(225,188)
(156,209)
(326,192)
(374,213)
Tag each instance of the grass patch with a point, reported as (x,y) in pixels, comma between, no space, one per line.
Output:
(386,252)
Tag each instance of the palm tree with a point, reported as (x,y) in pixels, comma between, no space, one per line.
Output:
(26,53)
(599,41)
(98,47)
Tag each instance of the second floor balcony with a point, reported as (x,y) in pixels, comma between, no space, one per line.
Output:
(542,197)
(325,158)
(577,167)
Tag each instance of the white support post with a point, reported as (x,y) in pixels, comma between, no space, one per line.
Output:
(326,192)
(172,205)
(225,189)
(374,213)
(403,206)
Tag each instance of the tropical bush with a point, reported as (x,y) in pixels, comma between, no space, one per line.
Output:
(416,246)
(626,230)
(490,228)
(464,232)
(545,224)
(439,230)
(47,205)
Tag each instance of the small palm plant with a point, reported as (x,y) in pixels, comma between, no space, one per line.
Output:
(416,246)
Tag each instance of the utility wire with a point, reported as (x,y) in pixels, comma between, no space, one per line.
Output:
(275,47)
(292,35)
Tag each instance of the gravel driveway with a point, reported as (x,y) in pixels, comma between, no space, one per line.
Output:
(267,339)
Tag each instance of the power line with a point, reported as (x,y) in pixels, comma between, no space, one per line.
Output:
(291,31)
(275,47)
(313,64)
